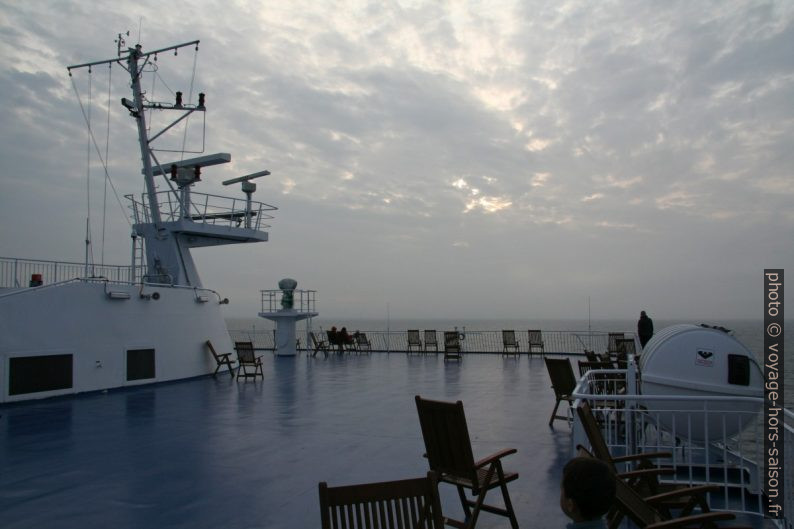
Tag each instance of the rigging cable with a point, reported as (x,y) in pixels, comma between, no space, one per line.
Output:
(190,98)
(96,148)
(88,249)
(107,154)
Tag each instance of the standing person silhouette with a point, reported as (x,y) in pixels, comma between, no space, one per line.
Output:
(644,328)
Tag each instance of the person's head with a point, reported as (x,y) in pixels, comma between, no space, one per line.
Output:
(333,328)
(642,314)
(587,489)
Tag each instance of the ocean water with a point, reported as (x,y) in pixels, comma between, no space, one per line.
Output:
(748,332)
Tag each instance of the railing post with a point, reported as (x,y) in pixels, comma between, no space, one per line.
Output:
(631,391)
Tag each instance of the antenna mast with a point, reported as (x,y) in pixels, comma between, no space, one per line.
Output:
(136,59)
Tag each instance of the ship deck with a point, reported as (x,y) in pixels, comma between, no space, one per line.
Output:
(216,452)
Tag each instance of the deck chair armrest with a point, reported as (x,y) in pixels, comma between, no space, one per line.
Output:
(224,356)
(693,520)
(495,457)
(685,492)
(643,472)
(641,456)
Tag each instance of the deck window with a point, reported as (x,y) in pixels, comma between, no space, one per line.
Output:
(140,364)
(738,370)
(33,374)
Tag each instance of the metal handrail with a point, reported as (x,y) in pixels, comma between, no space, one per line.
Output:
(204,208)
(16,272)
(734,461)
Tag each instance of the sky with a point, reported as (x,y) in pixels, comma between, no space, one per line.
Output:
(439,159)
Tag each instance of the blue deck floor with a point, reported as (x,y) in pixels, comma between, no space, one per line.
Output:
(222,453)
(208,453)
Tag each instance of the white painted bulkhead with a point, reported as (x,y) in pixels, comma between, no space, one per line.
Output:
(98,322)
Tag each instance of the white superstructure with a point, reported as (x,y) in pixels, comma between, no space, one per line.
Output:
(83,333)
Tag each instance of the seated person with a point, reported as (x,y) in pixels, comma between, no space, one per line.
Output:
(587,492)
(344,337)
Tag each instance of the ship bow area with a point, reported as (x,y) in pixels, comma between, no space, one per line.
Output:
(93,335)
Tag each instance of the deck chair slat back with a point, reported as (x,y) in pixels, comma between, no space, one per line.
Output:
(221,359)
(535,340)
(447,439)
(248,359)
(449,453)
(414,340)
(403,504)
(430,339)
(563,383)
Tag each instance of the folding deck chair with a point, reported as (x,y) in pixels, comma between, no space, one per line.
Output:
(451,346)
(612,344)
(404,504)
(414,341)
(645,476)
(430,340)
(248,360)
(654,512)
(449,454)
(536,342)
(318,344)
(223,359)
(509,343)
(563,382)
(363,344)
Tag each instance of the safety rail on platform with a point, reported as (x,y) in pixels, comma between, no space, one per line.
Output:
(555,342)
(732,458)
(302,300)
(18,273)
(204,209)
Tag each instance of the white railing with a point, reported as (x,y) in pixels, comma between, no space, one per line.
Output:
(18,273)
(204,209)
(733,457)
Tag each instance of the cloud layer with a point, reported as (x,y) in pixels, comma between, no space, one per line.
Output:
(453,159)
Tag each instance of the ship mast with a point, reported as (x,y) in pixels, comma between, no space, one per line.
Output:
(136,61)
(140,119)
(170,233)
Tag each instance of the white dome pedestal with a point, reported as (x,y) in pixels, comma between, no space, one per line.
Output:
(285,328)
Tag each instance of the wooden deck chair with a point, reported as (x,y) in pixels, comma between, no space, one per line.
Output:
(223,359)
(509,343)
(449,454)
(612,344)
(654,511)
(318,344)
(452,346)
(248,360)
(430,340)
(404,504)
(414,341)
(363,344)
(603,384)
(645,476)
(651,512)
(536,342)
(563,382)
(646,469)
(585,366)
(625,347)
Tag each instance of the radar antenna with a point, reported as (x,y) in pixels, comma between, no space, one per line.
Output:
(248,188)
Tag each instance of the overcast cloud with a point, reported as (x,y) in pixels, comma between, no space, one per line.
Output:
(450,159)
